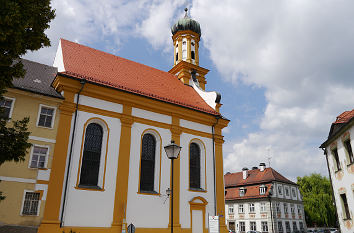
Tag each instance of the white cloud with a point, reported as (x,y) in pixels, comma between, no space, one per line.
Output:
(301,53)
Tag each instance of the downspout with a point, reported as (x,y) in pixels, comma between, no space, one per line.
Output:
(214,171)
(330,180)
(82,82)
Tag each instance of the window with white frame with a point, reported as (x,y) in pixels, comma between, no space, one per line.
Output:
(294,226)
(39,156)
(280,227)
(280,190)
(349,151)
(293,190)
(242,227)
(46,116)
(263,206)
(242,192)
(262,189)
(231,209)
(6,106)
(299,210)
(30,203)
(278,207)
(286,191)
(301,226)
(292,208)
(251,205)
(336,159)
(287,226)
(345,207)
(240,208)
(253,226)
(285,208)
(264,225)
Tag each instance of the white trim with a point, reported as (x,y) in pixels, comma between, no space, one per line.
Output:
(12,105)
(39,114)
(46,156)
(23,202)
(15,179)
(42,139)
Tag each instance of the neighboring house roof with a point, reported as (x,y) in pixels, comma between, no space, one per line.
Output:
(102,68)
(254,177)
(250,192)
(38,79)
(341,121)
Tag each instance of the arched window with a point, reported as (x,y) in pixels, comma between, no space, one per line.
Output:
(91,155)
(194,166)
(147,165)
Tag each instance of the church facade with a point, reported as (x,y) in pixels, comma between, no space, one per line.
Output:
(109,167)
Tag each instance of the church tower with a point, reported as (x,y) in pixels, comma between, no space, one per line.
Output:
(186,36)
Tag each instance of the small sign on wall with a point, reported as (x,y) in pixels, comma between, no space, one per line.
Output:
(214,224)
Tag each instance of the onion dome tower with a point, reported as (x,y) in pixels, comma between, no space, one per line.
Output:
(186,36)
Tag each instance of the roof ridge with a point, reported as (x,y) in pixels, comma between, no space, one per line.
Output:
(116,56)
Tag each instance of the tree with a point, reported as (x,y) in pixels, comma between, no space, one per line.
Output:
(318,201)
(22,26)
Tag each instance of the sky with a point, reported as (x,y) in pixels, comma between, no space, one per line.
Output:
(285,69)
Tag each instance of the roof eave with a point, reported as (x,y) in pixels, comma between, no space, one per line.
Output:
(339,132)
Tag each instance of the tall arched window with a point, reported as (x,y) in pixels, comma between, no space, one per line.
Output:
(147,165)
(91,155)
(194,166)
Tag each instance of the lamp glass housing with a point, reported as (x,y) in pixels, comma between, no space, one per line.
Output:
(172,150)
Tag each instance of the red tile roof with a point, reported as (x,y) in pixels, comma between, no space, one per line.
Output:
(251,192)
(254,177)
(344,117)
(106,69)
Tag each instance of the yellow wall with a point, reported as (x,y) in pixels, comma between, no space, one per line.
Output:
(26,104)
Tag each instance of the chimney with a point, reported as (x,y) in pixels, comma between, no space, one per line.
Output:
(244,172)
(254,168)
(262,166)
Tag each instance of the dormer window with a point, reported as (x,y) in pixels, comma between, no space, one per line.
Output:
(262,189)
(242,192)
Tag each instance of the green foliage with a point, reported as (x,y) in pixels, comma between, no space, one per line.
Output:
(317,198)
(13,140)
(22,26)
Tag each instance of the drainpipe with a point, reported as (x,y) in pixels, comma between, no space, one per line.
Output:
(330,180)
(82,82)
(213,134)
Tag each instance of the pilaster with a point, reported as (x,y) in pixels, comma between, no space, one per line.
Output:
(120,201)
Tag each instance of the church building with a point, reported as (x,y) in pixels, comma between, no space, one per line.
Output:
(109,166)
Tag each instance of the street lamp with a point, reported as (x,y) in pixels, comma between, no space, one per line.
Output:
(172,152)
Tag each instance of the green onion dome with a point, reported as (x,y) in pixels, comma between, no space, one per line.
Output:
(186,23)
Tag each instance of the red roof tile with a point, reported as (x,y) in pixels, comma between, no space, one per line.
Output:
(344,117)
(106,69)
(254,177)
(251,192)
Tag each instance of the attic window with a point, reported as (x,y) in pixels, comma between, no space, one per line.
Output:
(192,43)
(242,192)
(192,55)
(262,189)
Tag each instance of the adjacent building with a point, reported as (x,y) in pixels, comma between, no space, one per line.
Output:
(340,161)
(25,184)
(109,167)
(262,200)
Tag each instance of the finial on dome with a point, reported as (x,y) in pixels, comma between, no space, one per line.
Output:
(186,10)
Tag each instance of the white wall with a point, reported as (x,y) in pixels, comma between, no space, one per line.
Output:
(88,207)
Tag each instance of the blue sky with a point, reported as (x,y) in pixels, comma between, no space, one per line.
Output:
(284,68)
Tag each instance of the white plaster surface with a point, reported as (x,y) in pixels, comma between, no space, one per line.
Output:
(101,104)
(142,209)
(195,126)
(43,174)
(58,60)
(88,207)
(43,187)
(346,182)
(187,195)
(137,112)
(197,219)
(209,97)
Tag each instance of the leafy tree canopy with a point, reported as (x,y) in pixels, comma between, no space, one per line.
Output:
(22,26)
(317,198)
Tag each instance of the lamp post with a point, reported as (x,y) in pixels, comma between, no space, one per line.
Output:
(172,152)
